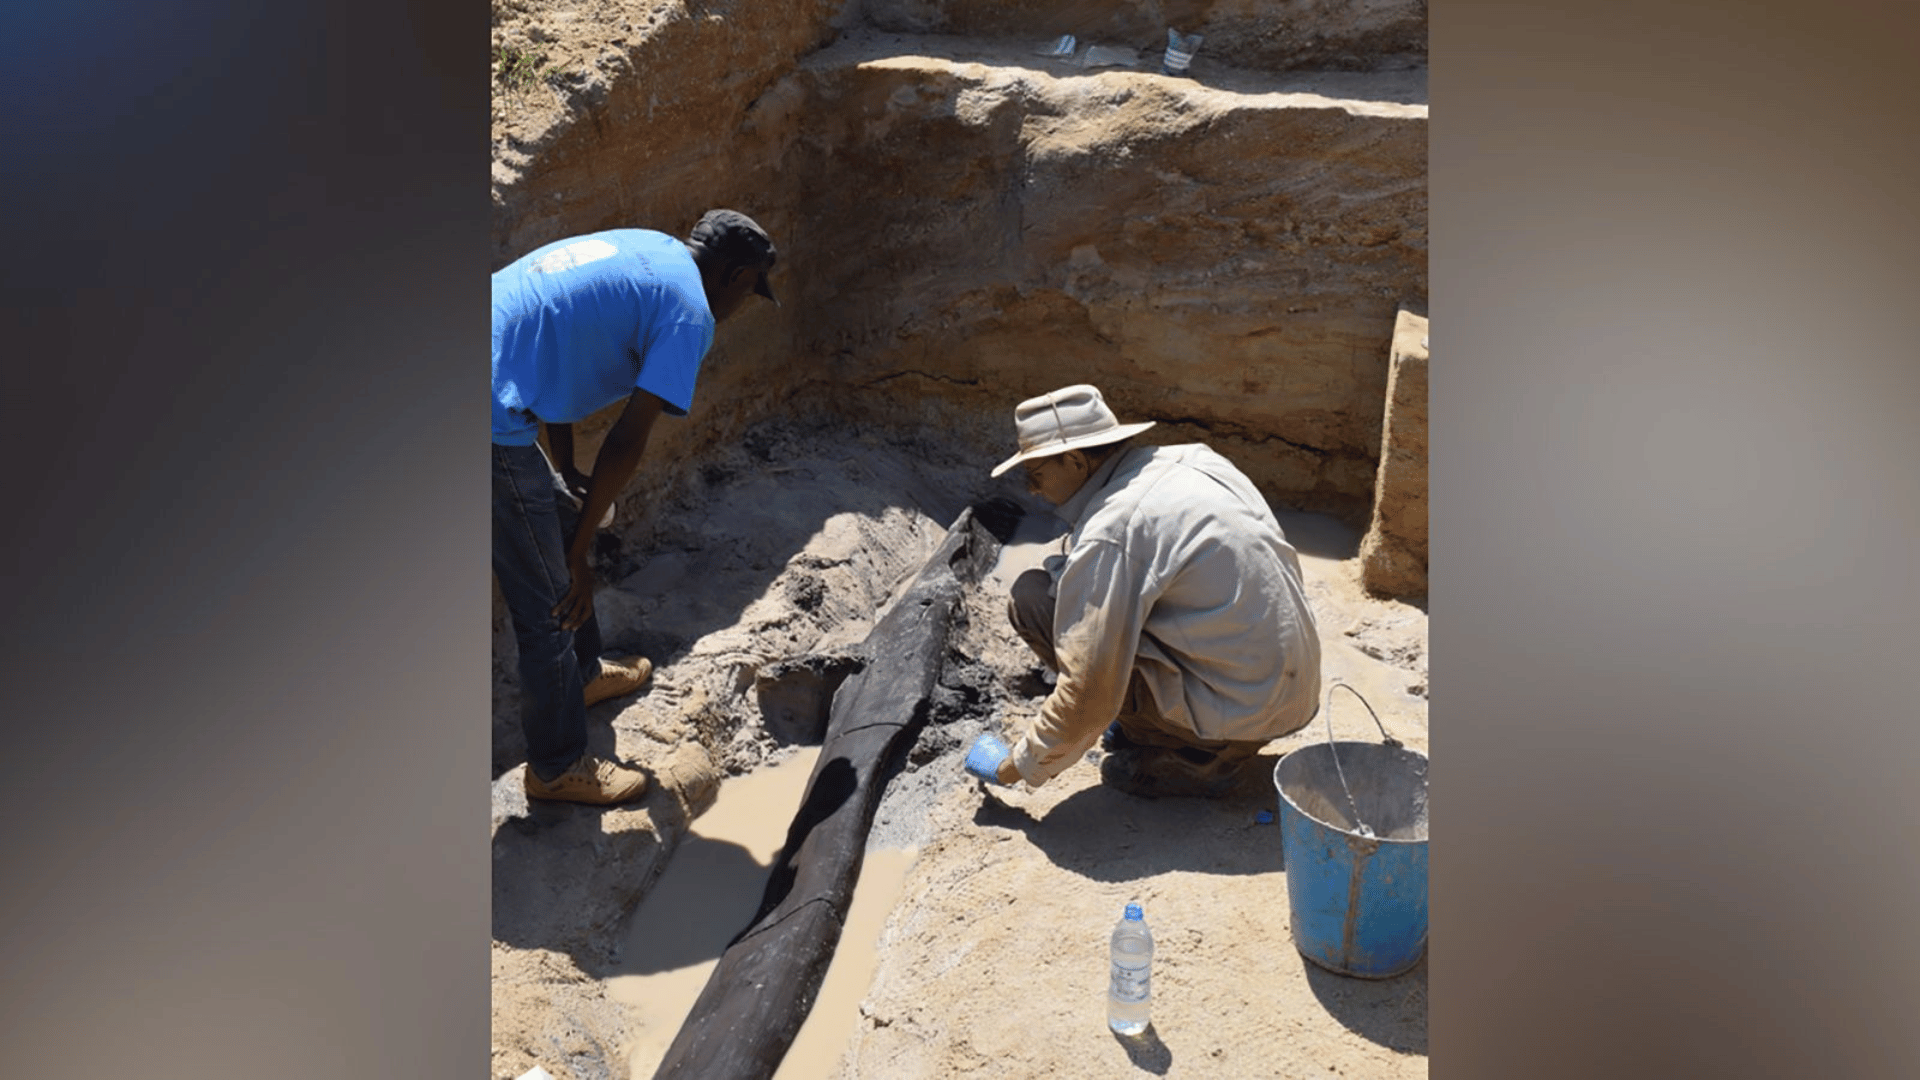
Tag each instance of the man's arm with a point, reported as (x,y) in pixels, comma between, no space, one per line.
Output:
(1100,610)
(560,449)
(619,459)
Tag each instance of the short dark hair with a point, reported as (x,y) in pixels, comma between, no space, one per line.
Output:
(735,242)
(736,238)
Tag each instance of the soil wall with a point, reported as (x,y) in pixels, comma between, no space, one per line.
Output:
(964,223)
(1393,554)
(1259,34)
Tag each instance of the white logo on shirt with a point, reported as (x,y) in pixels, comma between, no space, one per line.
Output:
(575,254)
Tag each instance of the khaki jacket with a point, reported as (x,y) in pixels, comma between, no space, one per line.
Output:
(1176,566)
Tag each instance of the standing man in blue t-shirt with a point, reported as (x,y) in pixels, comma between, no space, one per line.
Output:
(578,325)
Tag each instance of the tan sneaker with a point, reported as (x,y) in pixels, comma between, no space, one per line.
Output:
(618,676)
(590,780)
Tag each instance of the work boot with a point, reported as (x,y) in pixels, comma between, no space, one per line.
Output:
(1152,772)
(592,780)
(618,676)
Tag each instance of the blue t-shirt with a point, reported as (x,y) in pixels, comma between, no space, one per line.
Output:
(583,322)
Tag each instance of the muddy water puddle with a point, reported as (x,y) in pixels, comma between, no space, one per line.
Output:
(709,890)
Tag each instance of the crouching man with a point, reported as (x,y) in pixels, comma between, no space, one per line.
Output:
(1177,620)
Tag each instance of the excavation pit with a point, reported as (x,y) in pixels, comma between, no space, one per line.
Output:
(964,224)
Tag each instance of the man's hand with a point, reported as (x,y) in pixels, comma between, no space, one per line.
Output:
(578,485)
(619,457)
(988,759)
(576,607)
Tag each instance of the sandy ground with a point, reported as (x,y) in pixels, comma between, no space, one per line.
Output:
(993,960)
(784,547)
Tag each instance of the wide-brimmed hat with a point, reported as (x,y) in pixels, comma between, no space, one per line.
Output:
(1067,419)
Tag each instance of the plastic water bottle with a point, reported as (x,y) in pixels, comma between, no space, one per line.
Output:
(1129,984)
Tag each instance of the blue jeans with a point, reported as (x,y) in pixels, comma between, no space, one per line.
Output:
(532,523)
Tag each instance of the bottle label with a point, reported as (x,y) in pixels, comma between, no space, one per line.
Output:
(1130,983)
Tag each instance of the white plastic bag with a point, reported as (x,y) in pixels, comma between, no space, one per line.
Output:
(1110,56)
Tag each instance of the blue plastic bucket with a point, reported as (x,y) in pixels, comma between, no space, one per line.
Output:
(1353,822)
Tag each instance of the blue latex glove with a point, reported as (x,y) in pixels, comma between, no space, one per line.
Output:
(985,756)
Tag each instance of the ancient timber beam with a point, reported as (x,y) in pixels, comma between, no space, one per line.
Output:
(759,994)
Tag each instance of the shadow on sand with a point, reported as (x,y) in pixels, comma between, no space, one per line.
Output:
(1108,835)
(1146,1051)
(1391,1012)
(674,576)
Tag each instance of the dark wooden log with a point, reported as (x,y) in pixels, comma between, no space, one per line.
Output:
(759,994)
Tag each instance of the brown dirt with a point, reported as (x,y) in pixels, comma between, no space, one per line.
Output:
(959,219)
(994,961)
(1393,555)
(1020,885)
(1227,255)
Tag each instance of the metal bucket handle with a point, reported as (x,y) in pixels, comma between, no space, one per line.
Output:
(1359,826)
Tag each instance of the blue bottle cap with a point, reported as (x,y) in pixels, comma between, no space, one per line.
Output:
(1133,912)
